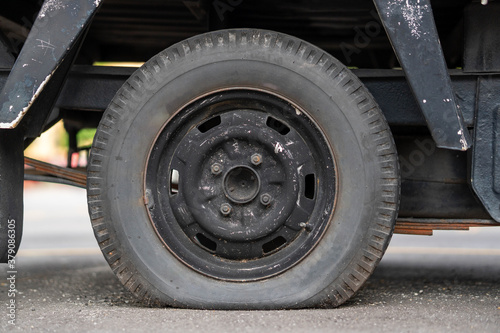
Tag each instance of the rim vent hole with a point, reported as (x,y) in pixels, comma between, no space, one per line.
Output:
(274,244)
(174,181)
(310,186)
(207,243)
(209,124)
(277,125)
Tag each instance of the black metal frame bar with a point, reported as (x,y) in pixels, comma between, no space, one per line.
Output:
(53,37)
(413,35)
(90,89)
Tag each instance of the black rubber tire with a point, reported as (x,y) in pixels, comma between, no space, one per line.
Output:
(365,155)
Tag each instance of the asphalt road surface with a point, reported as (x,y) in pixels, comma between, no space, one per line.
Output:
(449,282)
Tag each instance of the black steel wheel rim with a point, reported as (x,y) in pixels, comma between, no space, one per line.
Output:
(240,185)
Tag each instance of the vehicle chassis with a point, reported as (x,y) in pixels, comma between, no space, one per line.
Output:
(445,121)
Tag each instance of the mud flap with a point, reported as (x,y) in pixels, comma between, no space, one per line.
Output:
(485,173)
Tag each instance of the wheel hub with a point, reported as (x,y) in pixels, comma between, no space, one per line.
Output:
(231,147)
(241,184)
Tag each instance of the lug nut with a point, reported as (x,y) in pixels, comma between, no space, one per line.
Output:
(305,226)
(265,199)
(225,209)
(216,169)
(256,159)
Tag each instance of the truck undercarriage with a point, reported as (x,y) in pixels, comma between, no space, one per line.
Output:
(422,75)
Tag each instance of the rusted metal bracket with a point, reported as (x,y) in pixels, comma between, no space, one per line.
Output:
(413,35)
(55,32)
(425,227)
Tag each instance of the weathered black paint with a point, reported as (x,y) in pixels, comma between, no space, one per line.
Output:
(413,34)
(395,98)
(52,37)
(486,152)
(434,182)
(42,108)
